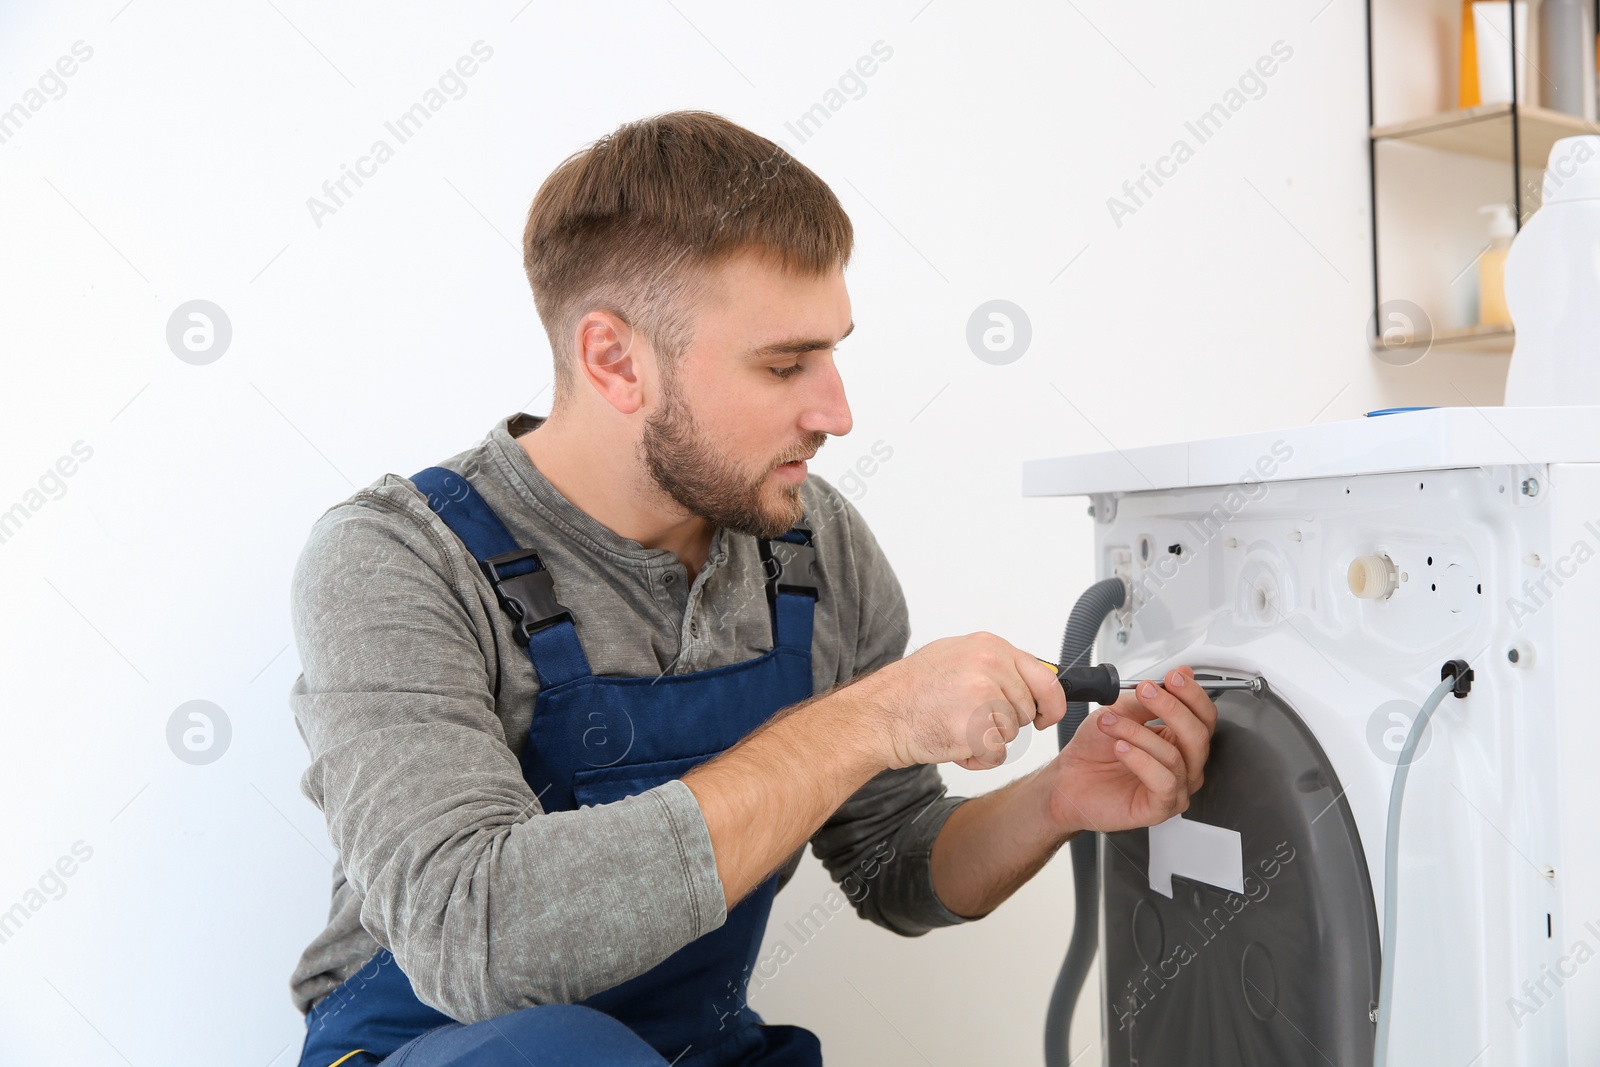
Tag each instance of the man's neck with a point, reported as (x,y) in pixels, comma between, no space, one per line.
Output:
(605,482)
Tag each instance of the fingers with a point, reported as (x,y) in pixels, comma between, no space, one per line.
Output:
(994,726)
(1188,714)
(1025,684)
(1013,689)
(1048,697)
(1126,731)
(1165,795)
(980,763)
(999,728)
(1197,740)
(991,727)
(1193,695)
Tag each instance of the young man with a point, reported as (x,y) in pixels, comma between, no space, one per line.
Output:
(578,697)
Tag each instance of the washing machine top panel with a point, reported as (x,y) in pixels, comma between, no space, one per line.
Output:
(1431,439)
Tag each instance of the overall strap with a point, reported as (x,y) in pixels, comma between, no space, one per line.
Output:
(525,588)
(789,562)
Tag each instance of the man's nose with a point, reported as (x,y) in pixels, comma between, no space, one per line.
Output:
(827,410)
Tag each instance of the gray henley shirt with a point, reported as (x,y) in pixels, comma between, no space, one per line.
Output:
(414,700)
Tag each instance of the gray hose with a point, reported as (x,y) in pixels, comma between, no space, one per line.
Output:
(1391,864)
(1098,601)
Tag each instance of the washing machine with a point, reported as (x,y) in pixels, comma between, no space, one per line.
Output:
(1346,564)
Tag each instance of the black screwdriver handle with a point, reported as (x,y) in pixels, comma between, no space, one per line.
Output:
(1099,684)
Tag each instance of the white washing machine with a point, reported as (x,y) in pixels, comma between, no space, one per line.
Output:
(1482,527)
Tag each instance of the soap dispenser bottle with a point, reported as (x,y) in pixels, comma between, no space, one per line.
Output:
(1492,266)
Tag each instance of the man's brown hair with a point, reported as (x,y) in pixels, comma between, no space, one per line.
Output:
(632,223)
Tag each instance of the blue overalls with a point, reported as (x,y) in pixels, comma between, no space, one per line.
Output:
(594,740)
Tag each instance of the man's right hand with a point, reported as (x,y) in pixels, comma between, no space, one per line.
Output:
(961,700)
(957,699)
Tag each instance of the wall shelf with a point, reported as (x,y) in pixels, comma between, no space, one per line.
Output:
(1487,339)
(1485,131)
(1475,143)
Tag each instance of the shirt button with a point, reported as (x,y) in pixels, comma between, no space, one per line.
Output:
(694,629)
(670,578)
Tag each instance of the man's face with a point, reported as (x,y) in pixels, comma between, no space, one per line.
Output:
(756,388)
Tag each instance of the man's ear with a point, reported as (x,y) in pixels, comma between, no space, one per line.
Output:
(610,359)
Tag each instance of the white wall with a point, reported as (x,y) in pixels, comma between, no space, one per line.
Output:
(976,165)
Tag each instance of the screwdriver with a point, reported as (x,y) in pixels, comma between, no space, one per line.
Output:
(1101,684)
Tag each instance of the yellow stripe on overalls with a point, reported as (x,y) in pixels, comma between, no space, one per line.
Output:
(345,1057)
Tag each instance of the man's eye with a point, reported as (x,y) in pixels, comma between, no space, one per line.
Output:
(786,372)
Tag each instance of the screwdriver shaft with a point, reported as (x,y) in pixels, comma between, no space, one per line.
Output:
(1251,684)
(1100,683)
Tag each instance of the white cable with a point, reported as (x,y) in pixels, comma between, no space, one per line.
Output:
(1391,865)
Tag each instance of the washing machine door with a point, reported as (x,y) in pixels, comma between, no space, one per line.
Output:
(1282,975)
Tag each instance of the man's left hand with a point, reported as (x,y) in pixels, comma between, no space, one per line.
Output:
(1118,772)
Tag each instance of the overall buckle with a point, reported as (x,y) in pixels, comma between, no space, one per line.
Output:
(790,566)
(530,597)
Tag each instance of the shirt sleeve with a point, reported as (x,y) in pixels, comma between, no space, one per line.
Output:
(489,903)
(878,845)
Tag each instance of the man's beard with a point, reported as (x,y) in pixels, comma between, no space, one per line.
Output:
(686,466)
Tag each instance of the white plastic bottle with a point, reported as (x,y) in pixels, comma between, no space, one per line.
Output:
(1553,285)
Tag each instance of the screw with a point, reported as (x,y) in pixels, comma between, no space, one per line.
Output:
(1091,511)
(1372,1013)
(1122,637)
(1530,487)
(1513,655)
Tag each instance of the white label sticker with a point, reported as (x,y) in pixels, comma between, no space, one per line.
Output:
(1212,854)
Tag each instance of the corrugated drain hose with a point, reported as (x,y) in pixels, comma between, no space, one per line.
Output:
(1097,602)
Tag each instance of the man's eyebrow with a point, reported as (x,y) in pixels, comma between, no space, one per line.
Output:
(796,346)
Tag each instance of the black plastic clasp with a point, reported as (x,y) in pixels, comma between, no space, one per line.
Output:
(1457,669)
(790,567)
(529,597)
